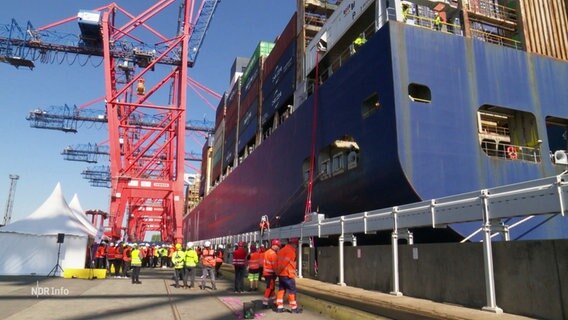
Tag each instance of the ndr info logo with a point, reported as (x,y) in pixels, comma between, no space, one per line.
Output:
(49,291)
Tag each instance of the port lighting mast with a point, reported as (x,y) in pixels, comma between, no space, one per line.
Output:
(10,202)
(146,161)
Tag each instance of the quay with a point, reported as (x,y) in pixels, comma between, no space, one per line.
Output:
(156,298)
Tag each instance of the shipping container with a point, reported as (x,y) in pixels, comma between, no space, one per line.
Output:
(218,141)
(252,80)
(229,148)
(336,26)
(248,126)
(286,63)
(237,69)
(281,45)
(220,111)
(248,98)
(276,96)
(205,163)
(233,104)
(262,50)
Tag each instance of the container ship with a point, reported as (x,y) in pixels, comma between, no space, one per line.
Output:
(365,104)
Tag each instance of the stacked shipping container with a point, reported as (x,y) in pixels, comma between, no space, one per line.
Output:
(231,120)
(218,139)
(279,73)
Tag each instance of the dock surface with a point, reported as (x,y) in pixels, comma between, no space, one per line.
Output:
(157,298)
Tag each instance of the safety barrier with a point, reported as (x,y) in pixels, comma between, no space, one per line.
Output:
(536,197)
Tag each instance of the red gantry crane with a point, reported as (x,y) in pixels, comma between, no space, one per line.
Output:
(143,76)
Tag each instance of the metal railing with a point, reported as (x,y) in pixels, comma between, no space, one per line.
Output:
(511,151)
(486,206)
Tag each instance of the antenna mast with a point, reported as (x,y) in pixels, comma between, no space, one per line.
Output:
(10,202)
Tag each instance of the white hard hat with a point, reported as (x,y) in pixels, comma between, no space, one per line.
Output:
(221,246)
(189,245)
(207,243)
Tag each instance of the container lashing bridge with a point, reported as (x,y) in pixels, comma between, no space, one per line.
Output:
(146,162)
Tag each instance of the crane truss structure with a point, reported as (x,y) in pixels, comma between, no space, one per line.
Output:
(146,161)
(10,202)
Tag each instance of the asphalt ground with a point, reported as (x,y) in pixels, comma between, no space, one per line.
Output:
(24,297)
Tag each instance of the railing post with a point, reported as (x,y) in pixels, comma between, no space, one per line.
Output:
(341,257)
(488,257)
(299,253)
(396,289)
(559,190)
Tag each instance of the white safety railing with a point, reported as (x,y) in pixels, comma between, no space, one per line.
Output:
(526,199)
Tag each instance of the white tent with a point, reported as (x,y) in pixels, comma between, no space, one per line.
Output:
(29,245)
(78,211)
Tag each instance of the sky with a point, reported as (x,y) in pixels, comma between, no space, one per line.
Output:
(35,154)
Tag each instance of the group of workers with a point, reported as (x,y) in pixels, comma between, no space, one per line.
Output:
(274,263)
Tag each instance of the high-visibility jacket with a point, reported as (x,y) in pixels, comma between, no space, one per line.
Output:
(100,252)
(219,256)
(261,252)
(178,258)
(137,257)
(156,252)
(254,261)
(191,258)
(287,262)
(208,257)
(127,254)
(111,252)
(360,41)
(270,262)
(118,252)
(239,257)
(163,252)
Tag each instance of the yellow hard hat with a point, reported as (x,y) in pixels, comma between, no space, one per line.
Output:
(178,245)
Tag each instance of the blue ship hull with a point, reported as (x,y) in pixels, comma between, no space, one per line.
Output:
(407,151)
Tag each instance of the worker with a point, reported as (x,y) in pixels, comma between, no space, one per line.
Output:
(100,256)
(405,12)
(358,42)
(269,272)
(264,225)
(208,265)
(156,256)
(111,252)
(253,268)
(219,255)
(286,271)
(261,252)
(163,256)
(178,259)
(437,21)
(239,263)
(171,251)
(118,263)
(191,260)
(126,258)
(136,263)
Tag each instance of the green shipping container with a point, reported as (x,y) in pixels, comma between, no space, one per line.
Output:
(262,50)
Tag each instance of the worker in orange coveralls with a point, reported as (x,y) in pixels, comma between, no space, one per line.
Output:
(269,272)
(286,271)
